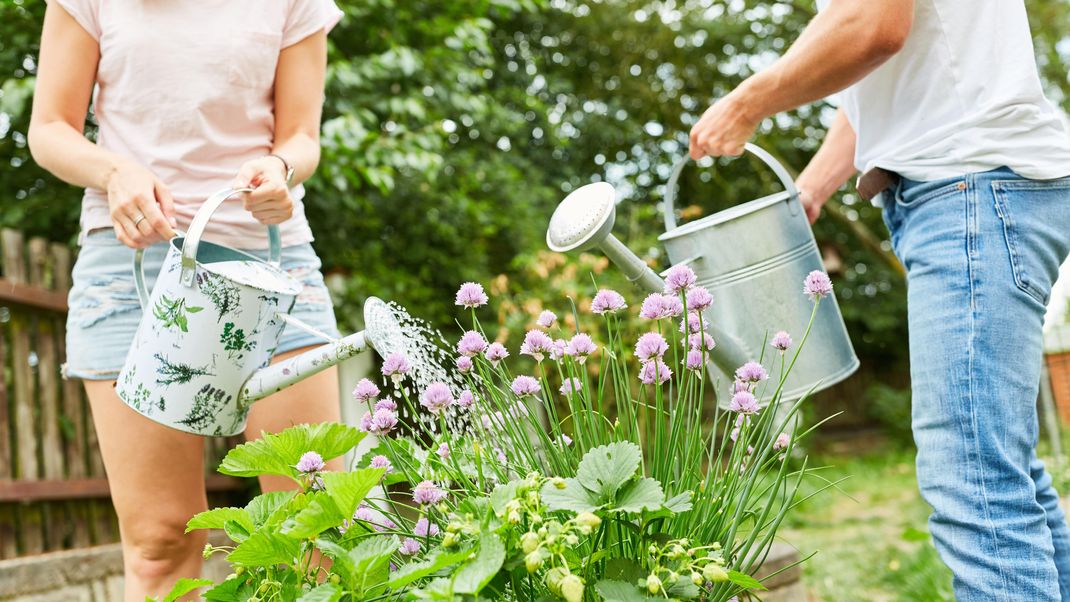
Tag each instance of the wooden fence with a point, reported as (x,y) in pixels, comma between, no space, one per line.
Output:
(53,491)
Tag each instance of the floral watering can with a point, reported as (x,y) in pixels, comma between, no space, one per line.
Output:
(752,257)
(210,327)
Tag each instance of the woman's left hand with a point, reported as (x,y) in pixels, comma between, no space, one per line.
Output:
(270,201)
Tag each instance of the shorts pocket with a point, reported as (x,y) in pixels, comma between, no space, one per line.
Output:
(1034,214)
(925,192)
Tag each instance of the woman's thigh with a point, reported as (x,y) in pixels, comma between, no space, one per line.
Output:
(156,473)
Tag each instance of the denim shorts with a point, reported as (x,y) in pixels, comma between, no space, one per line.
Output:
(104,313)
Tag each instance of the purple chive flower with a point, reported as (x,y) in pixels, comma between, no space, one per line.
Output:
(464,364)
(525,385)
(564,440)
(700,340)
(471,343)
(436,398)
(607,302)
(751,372)
(781,442)
(443,451)
(570,386)
(409,546)
(653,307)
(366,390)
(426,493)
(744,403)
(536,344)
(376,519)
(734,434)
(495,353)
(379,422)
(386,404)
(395,366)
(501,456)
(781,341)
(558,349)
(698,299)
(580,347)
(546,319)
(679,278)
(425,528)
(381,462)
(649,346)
(310,462)
(739,385)
(694,360)
(466,399)
(471,295)
(691,323)
(817,285)
(654,372)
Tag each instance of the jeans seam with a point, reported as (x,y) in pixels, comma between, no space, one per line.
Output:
(973,256)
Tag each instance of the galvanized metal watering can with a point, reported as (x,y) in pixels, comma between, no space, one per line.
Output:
(752,257)
(210,327)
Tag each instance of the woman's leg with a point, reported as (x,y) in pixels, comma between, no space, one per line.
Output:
(312,400)
(156,475)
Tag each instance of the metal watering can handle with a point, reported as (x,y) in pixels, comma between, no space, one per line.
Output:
(193,240)
(778,169)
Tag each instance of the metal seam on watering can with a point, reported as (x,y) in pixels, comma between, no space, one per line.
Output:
(756,269)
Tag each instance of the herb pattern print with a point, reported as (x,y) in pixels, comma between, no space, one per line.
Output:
(169,373)
(172,312)
(235,342)
(224,295)
(207,402)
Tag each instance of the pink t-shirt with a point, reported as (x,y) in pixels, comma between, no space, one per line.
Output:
(186,88)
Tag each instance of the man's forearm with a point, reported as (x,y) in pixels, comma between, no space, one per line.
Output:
(833,164)
(840,46)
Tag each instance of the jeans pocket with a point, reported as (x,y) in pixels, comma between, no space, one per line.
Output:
(924,192)
(1034,214)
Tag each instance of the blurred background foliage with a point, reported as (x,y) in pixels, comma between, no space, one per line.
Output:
(452,129)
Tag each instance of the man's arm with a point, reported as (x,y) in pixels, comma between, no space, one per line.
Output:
(830,168)
(843,43)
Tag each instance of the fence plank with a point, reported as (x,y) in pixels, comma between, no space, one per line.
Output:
(30,519)
(8,548)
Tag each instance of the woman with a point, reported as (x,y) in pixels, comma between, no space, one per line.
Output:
(190,98)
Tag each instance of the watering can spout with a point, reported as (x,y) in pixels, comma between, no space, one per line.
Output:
(381,331)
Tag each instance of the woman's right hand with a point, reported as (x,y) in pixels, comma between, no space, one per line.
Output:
(141,206)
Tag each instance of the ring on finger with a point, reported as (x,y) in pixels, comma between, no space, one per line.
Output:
(137,220)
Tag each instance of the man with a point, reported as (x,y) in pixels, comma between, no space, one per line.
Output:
(943,113)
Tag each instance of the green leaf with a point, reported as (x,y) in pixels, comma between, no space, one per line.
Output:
(278,453)
(605,468)
(418,570)
(371,560)
(326,592)
(475,575)
(679,503)
(184,586)
(194,310)
(683,589)
(620,591)
(321,514)
(231,590)
(744,581)
(348,489)
(216,517)
(342,565)
(264,548)
(572,496)
(501,496)
(261,507)
(644,494)
(235,531)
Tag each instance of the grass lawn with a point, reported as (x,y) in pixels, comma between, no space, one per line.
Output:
(870,537)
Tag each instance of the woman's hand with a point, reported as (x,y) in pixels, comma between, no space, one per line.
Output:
(270,201)
(142,210)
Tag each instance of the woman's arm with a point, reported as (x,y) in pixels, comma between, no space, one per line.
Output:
(299,81)
(66,72)
(830,168)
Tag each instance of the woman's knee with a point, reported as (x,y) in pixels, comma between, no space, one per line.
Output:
(156,547)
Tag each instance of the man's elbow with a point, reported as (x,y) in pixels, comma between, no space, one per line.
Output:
(889,35)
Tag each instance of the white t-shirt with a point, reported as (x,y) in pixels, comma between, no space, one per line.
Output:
(962,96)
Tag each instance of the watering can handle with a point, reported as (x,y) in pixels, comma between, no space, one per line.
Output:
(193,240)
(778,169)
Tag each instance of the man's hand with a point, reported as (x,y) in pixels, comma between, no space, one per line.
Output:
(812,204)
(723,129)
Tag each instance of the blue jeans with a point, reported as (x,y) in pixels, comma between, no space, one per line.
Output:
(982,252)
